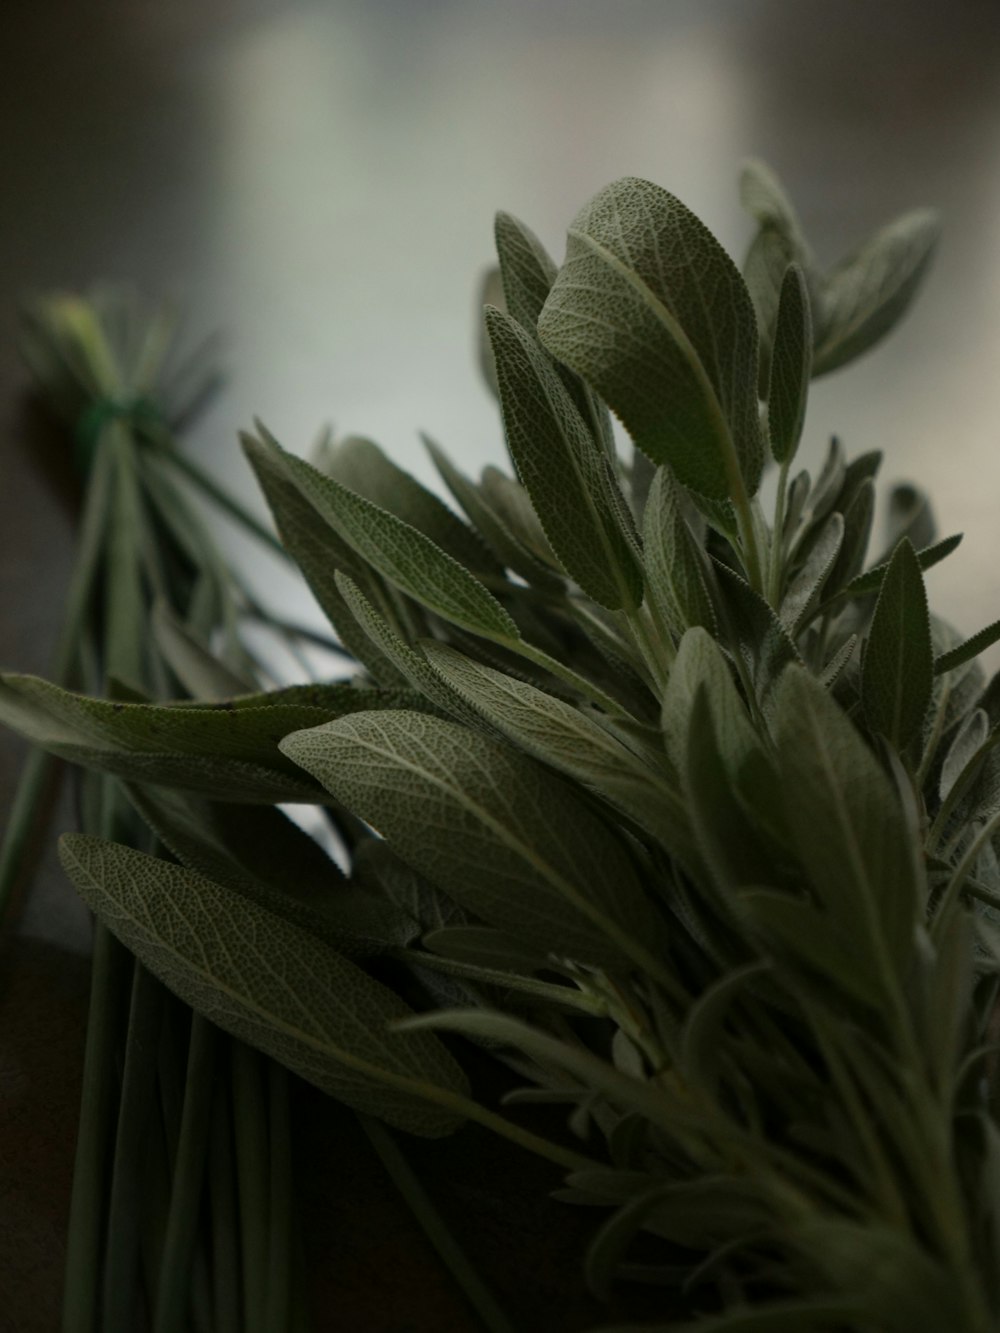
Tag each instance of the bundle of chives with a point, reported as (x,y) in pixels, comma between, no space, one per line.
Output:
(152,1240)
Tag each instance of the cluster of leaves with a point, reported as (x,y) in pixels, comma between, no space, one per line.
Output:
(687,815)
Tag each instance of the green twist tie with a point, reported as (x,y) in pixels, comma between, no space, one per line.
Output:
(96,416)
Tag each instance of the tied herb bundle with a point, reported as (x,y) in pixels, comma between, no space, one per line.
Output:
(152,611)
(685,813)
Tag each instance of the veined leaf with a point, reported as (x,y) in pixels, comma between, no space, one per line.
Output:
(505,838)
(764,198)
(858,518)
(870,292)
(653,314)
(971,736)
(526,268)
(361,466)
(319,553)
(402,555)
(528,274)
(677,570)
(262,854)
(407,660)
(493,525)
(754,631)
(849,828)
(270,983)
(566,739)
(897,667)
(804,590)
(791,366)
(562,469)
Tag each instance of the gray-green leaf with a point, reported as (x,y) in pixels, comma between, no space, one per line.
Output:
(271,984)
(505,838)
(867,294)
(562,469)
(897,670)
(653,314)
(791,366)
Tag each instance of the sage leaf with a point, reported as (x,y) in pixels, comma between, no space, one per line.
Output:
(504,838)
(897,667)
(263,854)
(871,579)
(199,671)
(847,823)
(971,736)
(269,983)
(677,570)
(319,553)
(791,366)
(968,649)
(404,657)
(562,469)
(528,273)
(651,312)
(805,587)
(867,294)
(754,631)
(566,739)
(494,526)
(361,466)
(402,555)
(526,269)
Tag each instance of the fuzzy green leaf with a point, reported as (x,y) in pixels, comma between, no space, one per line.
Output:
(651,312)
(807,584)
(362,467)
(871,579)
(268,982)
(562,469)
(402,555)
(845,817)
(526,269)
(968,649)
(505,838)
(791,366)
(567,740)
(677,570)
(263,854)
(867,294)
(897,671)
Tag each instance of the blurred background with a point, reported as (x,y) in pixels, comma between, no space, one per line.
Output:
(317,181)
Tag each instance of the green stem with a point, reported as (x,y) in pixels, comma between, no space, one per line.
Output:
(94,1137)
(281,1203)
(250,1124)
(225,1226)
(434,1227)
(185,1201)
(138,1085)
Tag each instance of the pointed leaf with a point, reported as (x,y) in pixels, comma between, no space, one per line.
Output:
(805,588)
(270,983)
(897,669)
(361,466)
(791,366)
(848,825)
(966,651)
(866,295)
(562,469)
(402,555)
(505,838)
(677,570)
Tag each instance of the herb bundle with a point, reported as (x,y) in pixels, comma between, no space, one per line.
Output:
(150,593)
(686,814)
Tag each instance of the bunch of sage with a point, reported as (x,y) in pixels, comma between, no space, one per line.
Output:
(688,815)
